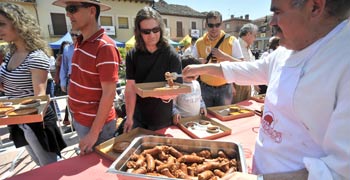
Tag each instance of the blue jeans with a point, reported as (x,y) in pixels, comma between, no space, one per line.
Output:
(106,133)
(216,96)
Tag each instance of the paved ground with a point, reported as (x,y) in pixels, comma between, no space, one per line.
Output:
(8,152)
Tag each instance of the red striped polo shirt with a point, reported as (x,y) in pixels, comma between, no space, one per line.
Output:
(95,60)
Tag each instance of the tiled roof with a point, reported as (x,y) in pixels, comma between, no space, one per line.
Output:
(176,10)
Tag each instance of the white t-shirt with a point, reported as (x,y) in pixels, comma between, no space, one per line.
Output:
(189,104)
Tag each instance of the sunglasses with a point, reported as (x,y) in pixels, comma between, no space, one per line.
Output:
(148,31)
(74,35)
(212,25)
(74,8)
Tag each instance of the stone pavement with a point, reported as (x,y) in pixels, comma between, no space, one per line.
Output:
(8,152)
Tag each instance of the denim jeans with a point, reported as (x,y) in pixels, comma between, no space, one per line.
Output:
(216,96)
(40,156)
(106,133)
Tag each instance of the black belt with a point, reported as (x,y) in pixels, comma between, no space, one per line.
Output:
(216,87)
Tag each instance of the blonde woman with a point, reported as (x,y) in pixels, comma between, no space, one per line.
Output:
(24,73)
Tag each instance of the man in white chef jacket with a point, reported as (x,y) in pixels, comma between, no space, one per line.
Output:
(304,131)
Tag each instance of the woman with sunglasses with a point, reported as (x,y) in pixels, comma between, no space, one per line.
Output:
(148,62)
(24,73)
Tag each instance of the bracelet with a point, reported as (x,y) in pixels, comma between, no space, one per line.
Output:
(260,177)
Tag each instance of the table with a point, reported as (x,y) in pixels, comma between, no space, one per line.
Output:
(94,166)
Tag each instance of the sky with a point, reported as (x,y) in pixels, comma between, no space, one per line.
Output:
(255,8)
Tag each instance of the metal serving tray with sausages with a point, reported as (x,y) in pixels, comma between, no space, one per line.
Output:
(183,145)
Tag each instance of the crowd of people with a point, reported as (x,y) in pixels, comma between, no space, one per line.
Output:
(297,139)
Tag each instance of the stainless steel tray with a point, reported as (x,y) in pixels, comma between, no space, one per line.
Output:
(184,145)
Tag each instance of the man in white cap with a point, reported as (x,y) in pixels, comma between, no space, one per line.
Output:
(94,74)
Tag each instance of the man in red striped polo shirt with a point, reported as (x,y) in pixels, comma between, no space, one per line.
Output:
(94,75)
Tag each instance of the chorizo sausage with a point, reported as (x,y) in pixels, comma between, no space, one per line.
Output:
(205,175)
(175,152)
(166,172)
(151,165)
(154,151)
(141,170)
(219,173)
(140,161)
(190,159)
(222,154)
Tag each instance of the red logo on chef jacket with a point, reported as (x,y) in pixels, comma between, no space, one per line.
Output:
(268,123)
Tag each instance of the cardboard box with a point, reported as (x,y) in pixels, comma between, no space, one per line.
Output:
(223,113)
(150,89)
(199,131)
(106,148)
(45,101)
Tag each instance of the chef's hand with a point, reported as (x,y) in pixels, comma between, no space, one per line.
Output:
(129,122)
(87,143)
(191,70)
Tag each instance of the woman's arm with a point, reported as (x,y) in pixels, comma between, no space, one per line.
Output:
(39,80)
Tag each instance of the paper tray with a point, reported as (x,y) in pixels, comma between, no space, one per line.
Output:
(183,145)
(45,101)
(106,148)
(222,112)
(199,131)
(149,89)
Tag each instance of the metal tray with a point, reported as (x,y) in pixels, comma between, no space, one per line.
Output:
(183,145)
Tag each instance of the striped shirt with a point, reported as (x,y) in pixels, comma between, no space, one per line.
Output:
(18,82)
(95,60)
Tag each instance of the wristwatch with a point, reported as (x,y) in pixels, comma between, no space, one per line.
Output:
(260,177)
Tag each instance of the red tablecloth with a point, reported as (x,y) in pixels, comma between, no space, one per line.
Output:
(94,166)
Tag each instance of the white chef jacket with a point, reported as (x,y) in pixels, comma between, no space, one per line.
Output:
(306,120)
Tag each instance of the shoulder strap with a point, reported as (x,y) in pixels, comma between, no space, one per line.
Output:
(217,45)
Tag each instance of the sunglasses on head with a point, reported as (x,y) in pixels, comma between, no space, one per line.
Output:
(74,8)
(148,31)
(210,25)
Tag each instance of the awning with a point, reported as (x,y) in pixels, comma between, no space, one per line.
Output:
(57,44)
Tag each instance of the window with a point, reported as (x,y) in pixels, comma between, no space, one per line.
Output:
(59,25)
(123,23)
(106,21)
(227,26)
(193,25)
(179,32)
